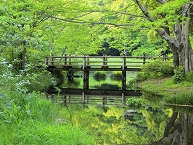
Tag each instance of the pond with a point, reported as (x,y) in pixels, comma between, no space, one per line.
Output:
(118,125)
(138,122)
(75,79)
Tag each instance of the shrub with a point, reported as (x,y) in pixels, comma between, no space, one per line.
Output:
(189,77)
(117,75)
(179,74)
(32,79)
(108,86)
(134,103)
(100,76)
(18,106)
(155,69)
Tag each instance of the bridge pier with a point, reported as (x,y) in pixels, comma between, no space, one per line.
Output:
(124,80)
(104,101)
(86,80)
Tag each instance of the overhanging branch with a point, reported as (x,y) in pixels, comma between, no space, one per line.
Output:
(162,33)
(77,21)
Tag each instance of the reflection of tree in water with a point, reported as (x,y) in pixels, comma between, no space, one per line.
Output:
(110,128)
(136,119)
(71,82)
(178,130)
(107,86)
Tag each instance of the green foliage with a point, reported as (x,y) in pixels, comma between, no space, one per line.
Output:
(26,117)
(109,126)
(134,103)
(179,74)
(155,69)
(132,85)
(39,79)
(100,76)
(189,77)
(117,75)
(43,134)
(107,86)
(18,106)
(32,79)
(31,119)
(180,99)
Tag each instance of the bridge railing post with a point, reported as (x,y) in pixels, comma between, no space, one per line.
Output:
(46,60)
(65,60)
(70,60)
(144,58)
(104,60)
(84,62)
(87,61)
(52,60)
(124,62)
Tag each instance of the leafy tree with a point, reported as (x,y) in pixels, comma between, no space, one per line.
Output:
(171,20)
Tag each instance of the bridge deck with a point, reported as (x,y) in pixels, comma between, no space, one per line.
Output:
(96,92)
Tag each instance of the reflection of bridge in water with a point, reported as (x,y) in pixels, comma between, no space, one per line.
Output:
(95,63)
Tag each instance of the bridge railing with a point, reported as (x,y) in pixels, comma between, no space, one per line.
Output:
(98,61)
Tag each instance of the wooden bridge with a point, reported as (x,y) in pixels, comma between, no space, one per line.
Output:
(96,63)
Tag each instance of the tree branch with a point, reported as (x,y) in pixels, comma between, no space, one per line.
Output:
(162,33)
(88,22)
(164,140)
(145,12)
(161,1)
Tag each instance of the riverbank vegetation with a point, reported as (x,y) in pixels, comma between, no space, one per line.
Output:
(31,30)
(161,82)
(26,116)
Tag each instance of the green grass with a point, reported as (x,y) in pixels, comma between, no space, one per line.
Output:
(30,119)
(169,92)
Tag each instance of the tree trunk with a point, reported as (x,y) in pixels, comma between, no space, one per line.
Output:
(183,128)
(180,45)
(186,52)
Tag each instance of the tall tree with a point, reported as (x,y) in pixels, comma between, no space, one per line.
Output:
(173,19)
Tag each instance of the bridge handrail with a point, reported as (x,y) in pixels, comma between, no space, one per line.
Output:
(123,61)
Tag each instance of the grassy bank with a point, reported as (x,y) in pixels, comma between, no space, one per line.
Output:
(163,84)
(30,119)
(26,116)
(167,92)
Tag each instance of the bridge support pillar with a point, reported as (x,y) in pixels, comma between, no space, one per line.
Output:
(123,80)
(83,98)
(65,100)
(86,80)
(104,100)
(123,98)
